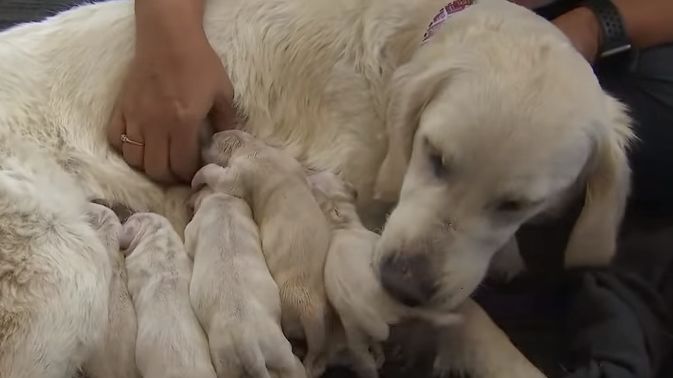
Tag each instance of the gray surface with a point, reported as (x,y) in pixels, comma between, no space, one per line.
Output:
(16,11)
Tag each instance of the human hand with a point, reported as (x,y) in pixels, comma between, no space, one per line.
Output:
(176,81)
(583,30)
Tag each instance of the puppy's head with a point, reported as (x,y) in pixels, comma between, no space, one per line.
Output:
(483,137)
(141,228)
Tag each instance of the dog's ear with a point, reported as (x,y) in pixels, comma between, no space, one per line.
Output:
(594,236)
(413,86)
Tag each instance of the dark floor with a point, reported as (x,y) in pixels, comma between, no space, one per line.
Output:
(524,308)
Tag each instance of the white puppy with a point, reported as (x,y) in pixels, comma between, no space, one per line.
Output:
(170,341)
(294,232)
(365,309)
(115,356)
(232,292)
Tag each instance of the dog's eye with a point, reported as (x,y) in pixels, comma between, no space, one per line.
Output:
(438,165)
(510,206)
(437,160)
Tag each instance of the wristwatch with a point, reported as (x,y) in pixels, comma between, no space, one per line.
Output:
(615,39)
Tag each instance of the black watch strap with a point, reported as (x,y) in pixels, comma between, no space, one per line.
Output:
(615,39)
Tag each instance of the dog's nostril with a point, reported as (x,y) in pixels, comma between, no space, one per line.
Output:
(408,279)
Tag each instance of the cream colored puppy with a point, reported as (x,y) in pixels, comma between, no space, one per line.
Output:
(294,232)
(170,341)
(232,292)
(115,356)
(365,309)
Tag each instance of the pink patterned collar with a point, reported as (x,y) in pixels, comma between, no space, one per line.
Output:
(443,15)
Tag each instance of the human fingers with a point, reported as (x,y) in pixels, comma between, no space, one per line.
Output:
(222,114)
(115,129)
(183,155)
(133,144)
(156,158)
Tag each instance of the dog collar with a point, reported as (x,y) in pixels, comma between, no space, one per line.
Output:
(443,15)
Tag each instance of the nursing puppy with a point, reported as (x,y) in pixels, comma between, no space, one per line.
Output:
(170,341)
(294,232)
(115,356)
(365,309)
(232,292)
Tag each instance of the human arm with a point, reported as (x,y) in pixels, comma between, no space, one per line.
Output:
(647,23)
(174,83)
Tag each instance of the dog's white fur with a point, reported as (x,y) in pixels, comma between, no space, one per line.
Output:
(115,356)
(487,343)
(293,230)
(365,310)
(54,270)
(170,341)
(232,291)
(499,92)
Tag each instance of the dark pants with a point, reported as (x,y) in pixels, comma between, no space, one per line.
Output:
(643,80)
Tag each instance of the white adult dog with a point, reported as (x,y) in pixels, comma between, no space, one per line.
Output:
(490,122)
(170,341)
(232,291)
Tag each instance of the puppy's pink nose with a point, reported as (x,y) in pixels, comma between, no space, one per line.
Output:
(408,279)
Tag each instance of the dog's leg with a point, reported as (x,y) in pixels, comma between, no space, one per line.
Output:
(365,364)
(277,350)
(507,262)
(481,349)
(54,279)
(315,330)
(115,357)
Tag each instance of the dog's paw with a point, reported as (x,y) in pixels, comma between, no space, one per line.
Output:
(376,351)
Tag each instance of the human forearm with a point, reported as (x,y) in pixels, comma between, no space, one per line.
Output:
(170,20)
(647,22)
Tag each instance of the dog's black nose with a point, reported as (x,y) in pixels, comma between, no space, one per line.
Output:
(409,279)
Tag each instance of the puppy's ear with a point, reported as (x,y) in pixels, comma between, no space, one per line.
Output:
(413,86)
(594,236)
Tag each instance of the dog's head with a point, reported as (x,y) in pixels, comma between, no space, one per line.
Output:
(483,136)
